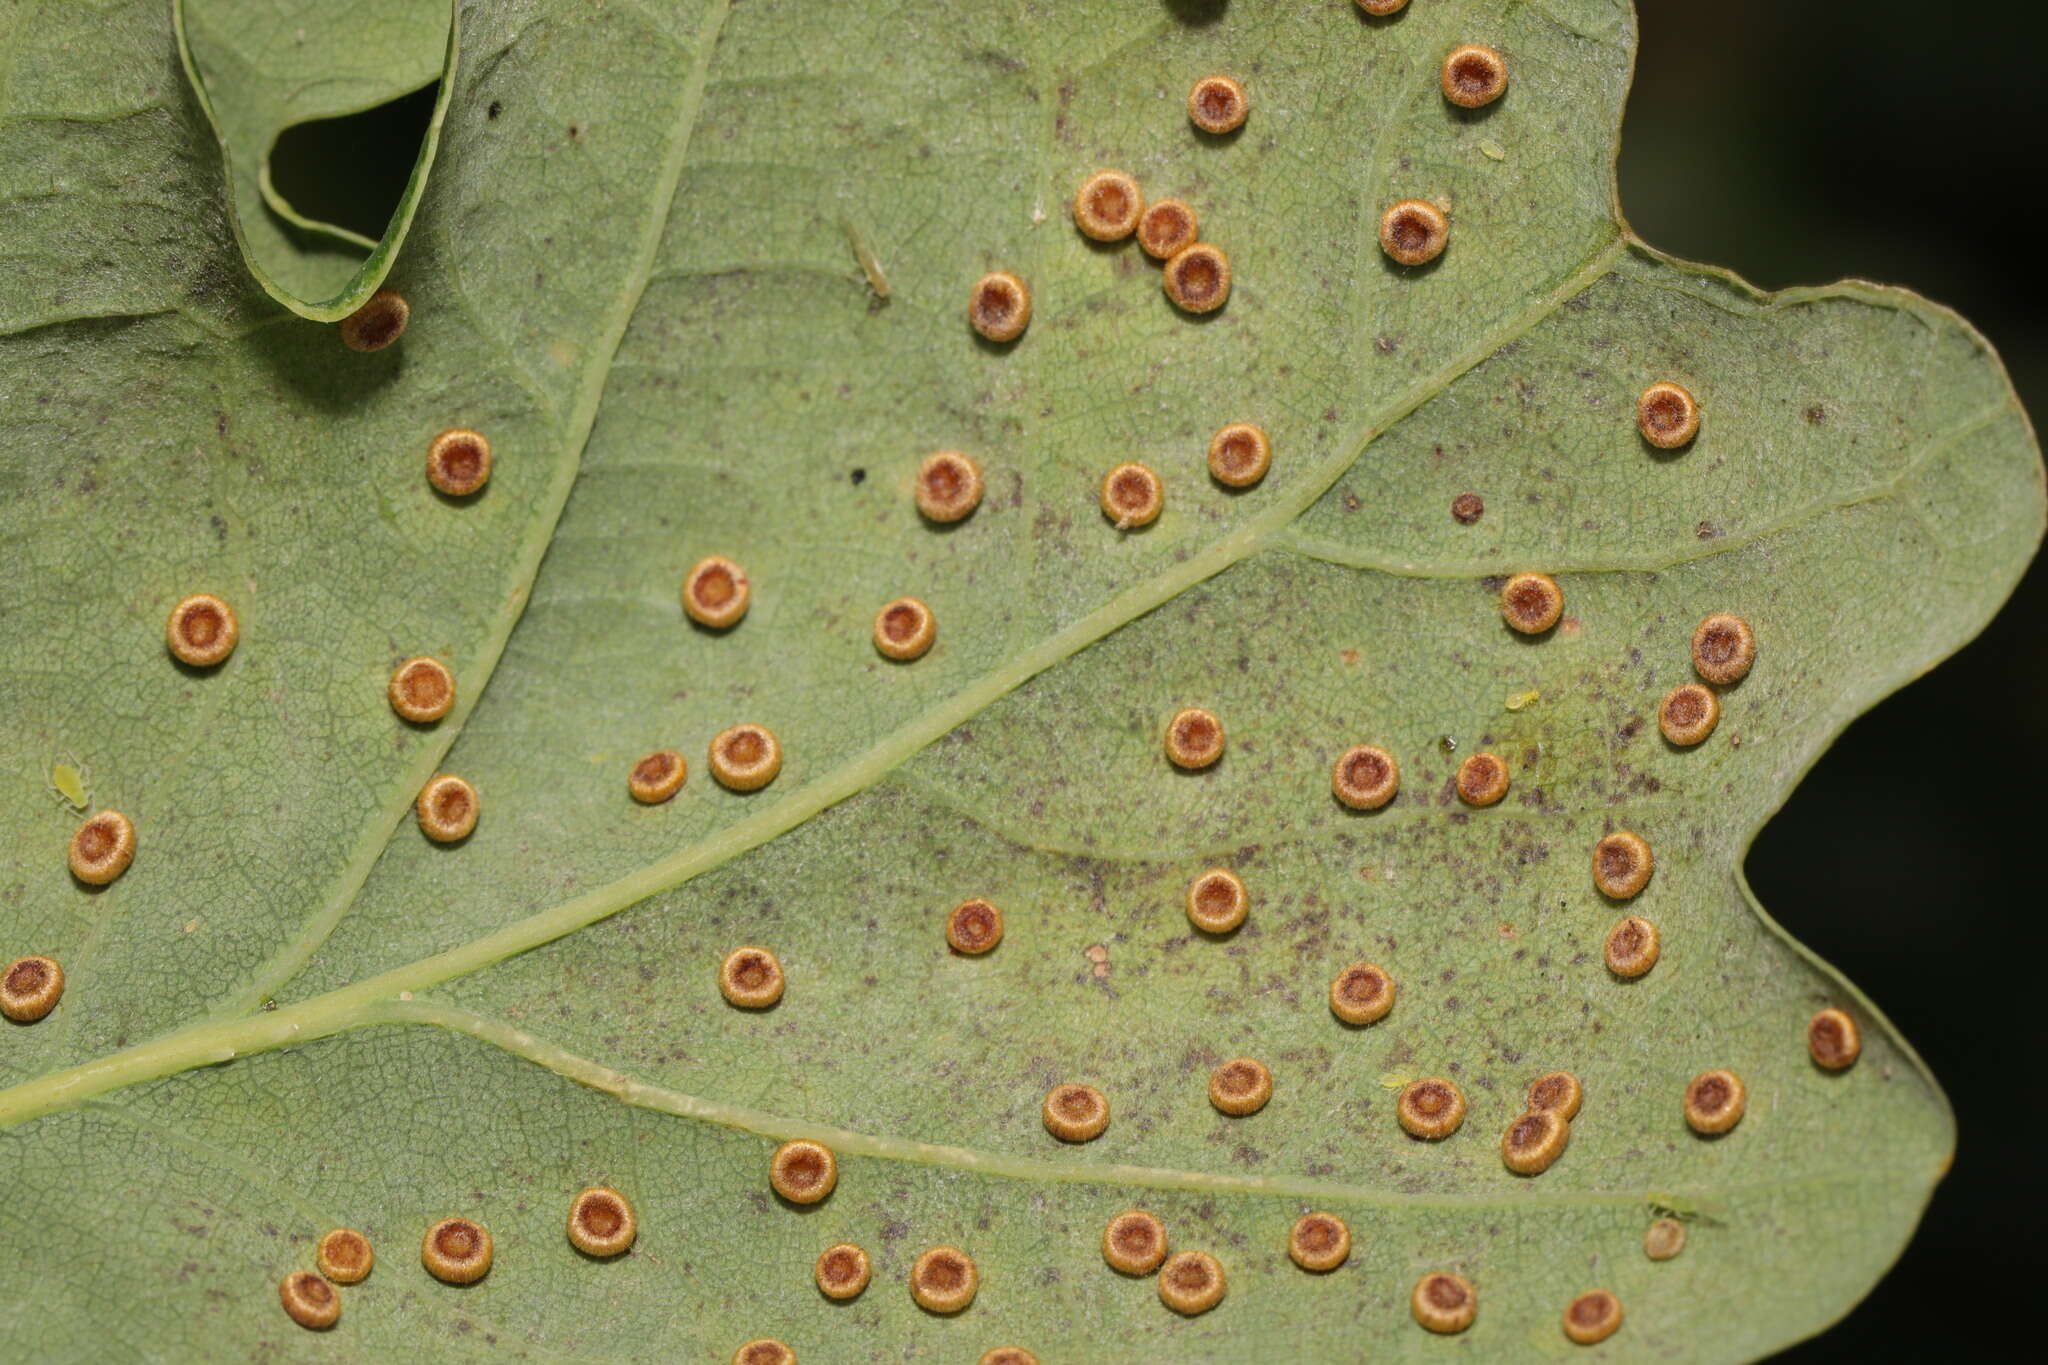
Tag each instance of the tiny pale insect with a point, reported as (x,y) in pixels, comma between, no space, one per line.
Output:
(70,783)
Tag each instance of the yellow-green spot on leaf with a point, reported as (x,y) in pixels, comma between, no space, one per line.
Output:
(71,783)
(1492,150)
(1516,701)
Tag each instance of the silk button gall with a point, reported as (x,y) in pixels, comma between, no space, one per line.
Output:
(657,777)
(1622,864)
(943,1280)
(716,593)
(1365,777)
(1107,206)
(459,462)
(1168,228)
(1218,104)
(421,690)
(1414,232)
(447,808)
(1191,1282)
(379,322)
(1430,1108)
(1075,1113)
(456,1251)
(1134,1242)
(1362,993)
(1319,1242)
(1000,306)
(745,758)
(102,848)
(802,1171)
(30,988)
(1197,278)
(310,1301)
(750,978)
(1444,1303)
(202,631)
(1531,603)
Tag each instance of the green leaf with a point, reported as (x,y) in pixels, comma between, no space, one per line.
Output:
(258,69)
(635,270)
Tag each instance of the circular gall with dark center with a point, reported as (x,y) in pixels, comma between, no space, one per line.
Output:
(1531,603)
(1218,104)
(1688,714)
(1723,649)
(802,1171)
(309,1300)
(602,1222)
(1197,278)
(1134,1242)
(1319,1241)
(1474,75)
(1365,777)
(948,486)
(344,1256)
(1168,228)
(1362,993)
(1833,1040)
(379,322)
(1715,1101)
(1430,1108)
(1414,232)
(1592,1317)
(943,1280)
(1000,307)
(456,1251)
(843,1271)
(30,988)
(202,631)
(1191,1282)
(102,848)
(1467,508)
(974,927)
(1443,1302)
(1075,1113)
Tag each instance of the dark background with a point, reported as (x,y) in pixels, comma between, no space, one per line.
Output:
(1798,141)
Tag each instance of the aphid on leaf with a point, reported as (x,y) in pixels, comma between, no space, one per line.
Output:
(1134,1242)
(1444,1302)
(943,1280)
(1218,104)
(309,1301)
(870,264)
(1191,1282)
(70,784)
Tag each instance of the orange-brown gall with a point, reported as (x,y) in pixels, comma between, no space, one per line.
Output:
(1534,1140)
(657,777)
(905,629)
(1107,206)
(1168,228)
(1132,496)
(1715,1101)
(1197,278)
(1430,1108)
(102,848)
(750,978)
(30,988)
(1000,306)
(421,690)
(1723,648)
(602,1222)
(309,1300)
(201,630)
(1663,1239)
(459,462)
(1008,1355)
(974,926)
(1414,232)
(1444,1302)
(1688,713)
(943,1280)
(1558,1092)
(1622,865)
(1319,1241)
(1474,75)
(1075,1113)
(745,758)
(1632,947)
(344,1256)
(1362,993)
(1593,1316)
(842,1271)
(802,1171)
(1482,779)
(1134,1242)
(764,1351)
(456,1251)
(379,322)
(716,592)
(1239,455)
(1240,1086)
(1217,901)
(1833,1039)
(1531,603)
(1667,415)
(1191,1282)
(447,808)
(1194,738)
(948,486)
(1365,777)
(1218,104)
(1379,9)
(1467,508)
